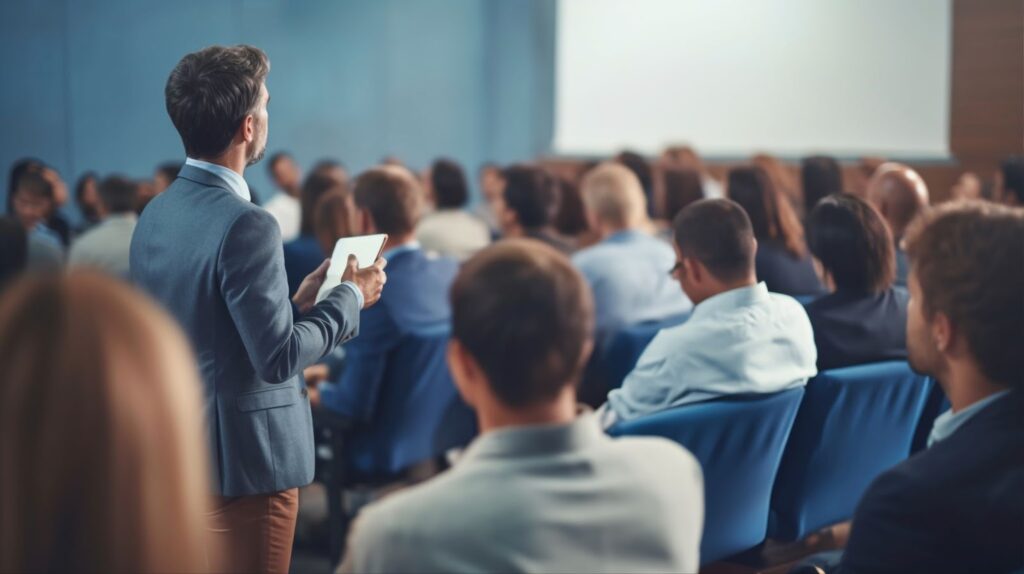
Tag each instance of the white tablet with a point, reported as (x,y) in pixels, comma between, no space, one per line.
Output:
(366,248)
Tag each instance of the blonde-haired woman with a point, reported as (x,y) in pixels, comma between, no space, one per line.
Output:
(102,463)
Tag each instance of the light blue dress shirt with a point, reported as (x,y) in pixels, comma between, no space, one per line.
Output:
(628,273)
(746,340)
(948,422)
(238,186)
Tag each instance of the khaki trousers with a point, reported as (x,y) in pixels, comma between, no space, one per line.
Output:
(253,533)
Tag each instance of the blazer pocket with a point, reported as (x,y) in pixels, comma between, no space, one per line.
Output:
(262,400)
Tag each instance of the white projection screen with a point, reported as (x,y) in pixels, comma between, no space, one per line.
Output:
(735,77)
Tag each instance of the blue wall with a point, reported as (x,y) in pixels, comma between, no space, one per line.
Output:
(356,80)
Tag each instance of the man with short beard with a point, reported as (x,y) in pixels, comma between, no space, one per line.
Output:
(214,260)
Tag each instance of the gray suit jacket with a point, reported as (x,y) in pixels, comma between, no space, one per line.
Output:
(542,499)
(215,262)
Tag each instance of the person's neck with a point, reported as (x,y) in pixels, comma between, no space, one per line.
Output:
(725,287)
(393,241)
(965,385)
(496,416)
(233,158)
(606,230)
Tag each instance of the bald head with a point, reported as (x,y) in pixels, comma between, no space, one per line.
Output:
(614,198)
(899,194)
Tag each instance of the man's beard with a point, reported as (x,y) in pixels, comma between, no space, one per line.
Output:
(258,155)
(256,158)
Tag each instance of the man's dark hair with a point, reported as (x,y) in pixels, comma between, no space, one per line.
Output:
(641,168)
(20,168)
(210,92)
(531,193)
(33,183)
(119,194)
(968,258)
(449,182)
(571,219)
(526,315)
(13,250)
(820,175)
(717,232)
(682,187)
(853,243)
(392,196)
(170,169)
(1013,176)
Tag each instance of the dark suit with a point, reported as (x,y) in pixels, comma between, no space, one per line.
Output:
(784,273)
(956,507)
(302,256)
(853,328)
(215,262)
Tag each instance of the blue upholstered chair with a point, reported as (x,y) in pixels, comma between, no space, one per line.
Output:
(739,443)
(854,423)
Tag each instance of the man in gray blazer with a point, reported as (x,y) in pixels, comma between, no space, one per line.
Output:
(214,260)
(543,489)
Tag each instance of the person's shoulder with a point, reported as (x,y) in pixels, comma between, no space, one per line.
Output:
(787,304)
(411,511)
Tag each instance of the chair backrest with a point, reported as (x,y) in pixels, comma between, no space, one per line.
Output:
(419,415)
(854,423)
(739,442)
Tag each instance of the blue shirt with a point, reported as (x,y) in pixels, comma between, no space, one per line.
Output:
(746,340)
(628,273)
(948,422)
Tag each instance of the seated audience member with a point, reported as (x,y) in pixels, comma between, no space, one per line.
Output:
(864,319)
(331,168)
(781,177)
(958,506)
(333,218)
(641,168)
(87,198)
(1010,181)
(571,217)
(682,187)
(740,338)
(685,157)
(491,184)
(13,250)
(782,261)
(451,230)
(968,186)
(542,489)
(29,203)
(104,465)
(527,205)
(105,247)
(163,177)
(387,200)
(820,176)
(900,195)
(628,269)
(305,253)
(284,205)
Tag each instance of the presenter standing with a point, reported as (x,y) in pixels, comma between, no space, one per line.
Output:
(214,260)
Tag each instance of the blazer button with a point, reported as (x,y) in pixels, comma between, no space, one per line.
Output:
(304,392)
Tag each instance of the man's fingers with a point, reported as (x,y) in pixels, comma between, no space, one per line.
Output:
(322,269)
(380,263)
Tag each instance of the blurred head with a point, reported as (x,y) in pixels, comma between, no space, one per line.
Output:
(851,245)
(317,183)
(682,187)
(32,201)
(820,176)
(13,250)
(118,195)
(164,176)
(899,194)
(715,245)
(967,186)
(771,216)
(522,324)
(571,217)
(217,99)
(613,198)
(965,316)
(332,169)
(682,156)
(333,217)
(448,185)
(491,181)
(100,432)
(528,202)
(285,173)
(388,200)
(87,196)
(641,168)
(1010,181)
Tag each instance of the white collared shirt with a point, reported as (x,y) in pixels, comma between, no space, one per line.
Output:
(234,180)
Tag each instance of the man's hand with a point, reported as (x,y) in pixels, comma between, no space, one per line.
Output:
(370,280)
(305,295)
(315,374)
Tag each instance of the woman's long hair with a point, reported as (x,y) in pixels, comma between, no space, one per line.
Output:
(771,215)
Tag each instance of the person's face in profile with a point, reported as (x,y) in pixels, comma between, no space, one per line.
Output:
(261,119)
(30,209)
(922,351)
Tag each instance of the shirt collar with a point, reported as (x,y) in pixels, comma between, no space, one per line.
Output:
(236,183)
(731,299)
(623,236)
(948,422)
(400,249)
(536,440)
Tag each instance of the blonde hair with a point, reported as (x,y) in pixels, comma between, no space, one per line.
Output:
(614,195)
(104,468)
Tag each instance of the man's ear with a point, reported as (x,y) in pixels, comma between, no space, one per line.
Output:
(693,269)
(465,372)
(366,224)
(247,131)
(942,332)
